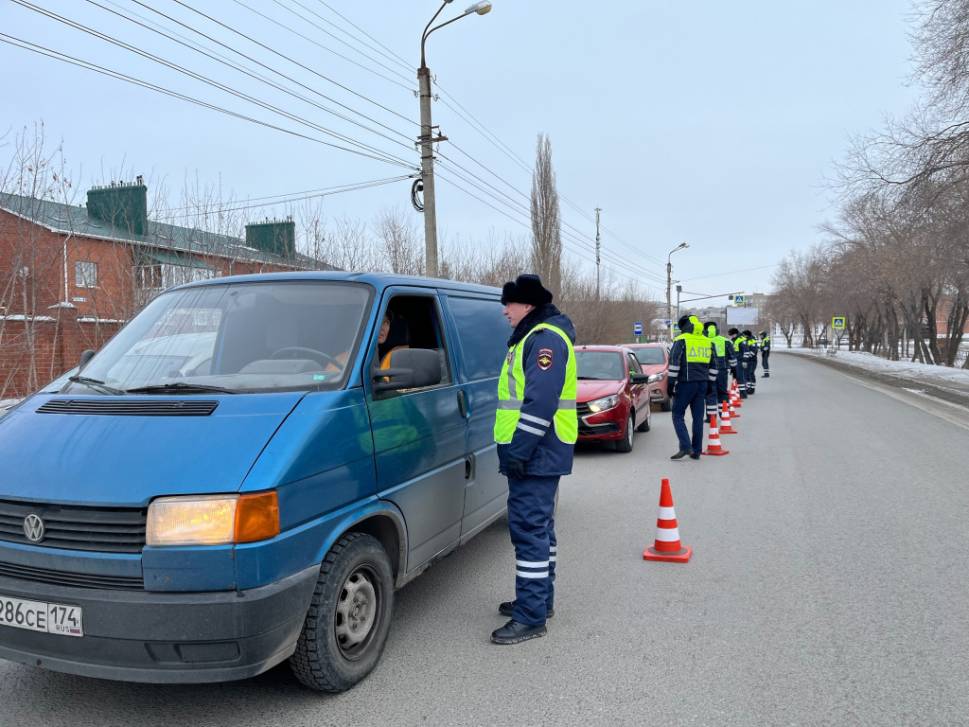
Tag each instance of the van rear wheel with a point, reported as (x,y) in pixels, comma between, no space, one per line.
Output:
(349,617)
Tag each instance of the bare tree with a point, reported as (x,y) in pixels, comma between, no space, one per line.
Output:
(546,223)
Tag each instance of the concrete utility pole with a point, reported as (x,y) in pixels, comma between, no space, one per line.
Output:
(427,139)
(669,284)
(598,250)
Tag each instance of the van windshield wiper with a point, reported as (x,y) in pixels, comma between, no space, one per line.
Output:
(179,387)
(95,384)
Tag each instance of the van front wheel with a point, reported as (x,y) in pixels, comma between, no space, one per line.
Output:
(349,617)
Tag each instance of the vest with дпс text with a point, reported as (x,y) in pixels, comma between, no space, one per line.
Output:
(697,347)
(719,345)
(511,392)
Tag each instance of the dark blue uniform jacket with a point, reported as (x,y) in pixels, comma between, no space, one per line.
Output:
(544,454)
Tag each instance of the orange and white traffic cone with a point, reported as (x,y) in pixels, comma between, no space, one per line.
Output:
(725,427)
(713,444)
(667,546)
(737,399)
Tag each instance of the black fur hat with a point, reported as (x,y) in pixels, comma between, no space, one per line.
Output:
(734,332)
(527,289)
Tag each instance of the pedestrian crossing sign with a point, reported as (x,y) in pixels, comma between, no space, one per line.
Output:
(838,323)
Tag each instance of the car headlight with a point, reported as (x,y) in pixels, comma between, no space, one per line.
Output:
(606,402)
(212,519)
(656,377)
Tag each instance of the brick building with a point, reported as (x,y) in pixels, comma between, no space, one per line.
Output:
(70,276)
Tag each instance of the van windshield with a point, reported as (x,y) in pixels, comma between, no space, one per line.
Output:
(236,337)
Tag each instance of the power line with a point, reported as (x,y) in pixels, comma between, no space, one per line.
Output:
(291,60)
(454,184)
(468,117)
(392,55)
(339,40)
(278,72)
(570,231)
(325,192)
(208,53)
(515,208)
(385,156)
(320,45)
(117,75)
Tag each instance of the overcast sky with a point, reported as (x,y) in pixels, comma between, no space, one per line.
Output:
(711,122)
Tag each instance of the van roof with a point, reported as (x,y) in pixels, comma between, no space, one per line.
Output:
(377,280)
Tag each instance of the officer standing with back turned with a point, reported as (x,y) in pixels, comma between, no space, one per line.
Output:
(536,428)
(692,370)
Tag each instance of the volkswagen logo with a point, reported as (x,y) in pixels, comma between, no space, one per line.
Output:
(34,528)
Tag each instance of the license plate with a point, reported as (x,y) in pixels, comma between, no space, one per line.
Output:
(48,618)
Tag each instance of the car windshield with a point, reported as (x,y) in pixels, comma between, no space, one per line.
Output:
(600,365)
(238,337)
(649,355)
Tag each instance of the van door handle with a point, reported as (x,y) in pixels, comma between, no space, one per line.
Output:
(462,403)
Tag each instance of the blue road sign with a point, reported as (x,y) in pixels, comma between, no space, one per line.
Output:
(638,328)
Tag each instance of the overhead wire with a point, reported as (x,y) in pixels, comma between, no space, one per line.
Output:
(213,55)
(274,70)
(526,225)
(577,242)
(117,75)
(260,202)
(389,54)
(291,60)
(340,40)
(374,151)
(568,231)
(321,46)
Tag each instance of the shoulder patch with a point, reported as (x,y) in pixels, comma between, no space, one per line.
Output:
(544,359)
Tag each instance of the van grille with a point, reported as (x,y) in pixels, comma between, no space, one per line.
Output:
(75,580)
(135,408)
(112,530)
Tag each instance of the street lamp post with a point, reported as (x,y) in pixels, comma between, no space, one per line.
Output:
(669,283)
(427,139)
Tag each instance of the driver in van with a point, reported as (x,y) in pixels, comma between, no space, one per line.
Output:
(394,335)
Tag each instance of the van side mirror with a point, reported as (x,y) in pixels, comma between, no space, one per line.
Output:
(86,356)
(411,368)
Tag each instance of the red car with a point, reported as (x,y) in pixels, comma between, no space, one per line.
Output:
(655,360)
(613,399)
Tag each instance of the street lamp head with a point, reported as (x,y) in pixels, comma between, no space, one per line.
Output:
(684,245)
(481,8)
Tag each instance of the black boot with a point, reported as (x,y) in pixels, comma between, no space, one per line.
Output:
(515,632)
(506,608)
(681,454)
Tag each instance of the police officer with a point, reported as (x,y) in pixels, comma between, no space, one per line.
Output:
(752,346)
(691,370)
(765,353)
(536,428)
(724,357)
(740,350)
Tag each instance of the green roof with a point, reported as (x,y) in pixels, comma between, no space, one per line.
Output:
(159,235)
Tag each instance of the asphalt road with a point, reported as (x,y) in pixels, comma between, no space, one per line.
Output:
(828,586)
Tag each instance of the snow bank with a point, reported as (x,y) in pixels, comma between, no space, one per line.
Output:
(901,369)
(7,403)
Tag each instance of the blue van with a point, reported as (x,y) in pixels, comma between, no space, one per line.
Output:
(245,473)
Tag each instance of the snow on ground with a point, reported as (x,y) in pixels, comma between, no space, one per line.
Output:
(7,403)
(901,369)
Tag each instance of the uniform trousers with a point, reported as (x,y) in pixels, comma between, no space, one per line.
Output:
(690,394)
(531,522)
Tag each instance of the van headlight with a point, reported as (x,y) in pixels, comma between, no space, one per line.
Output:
(656,377)
(606,402)
(212,519)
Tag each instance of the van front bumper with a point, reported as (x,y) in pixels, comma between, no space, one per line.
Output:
(166,638)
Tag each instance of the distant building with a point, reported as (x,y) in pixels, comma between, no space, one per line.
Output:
(70,276)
